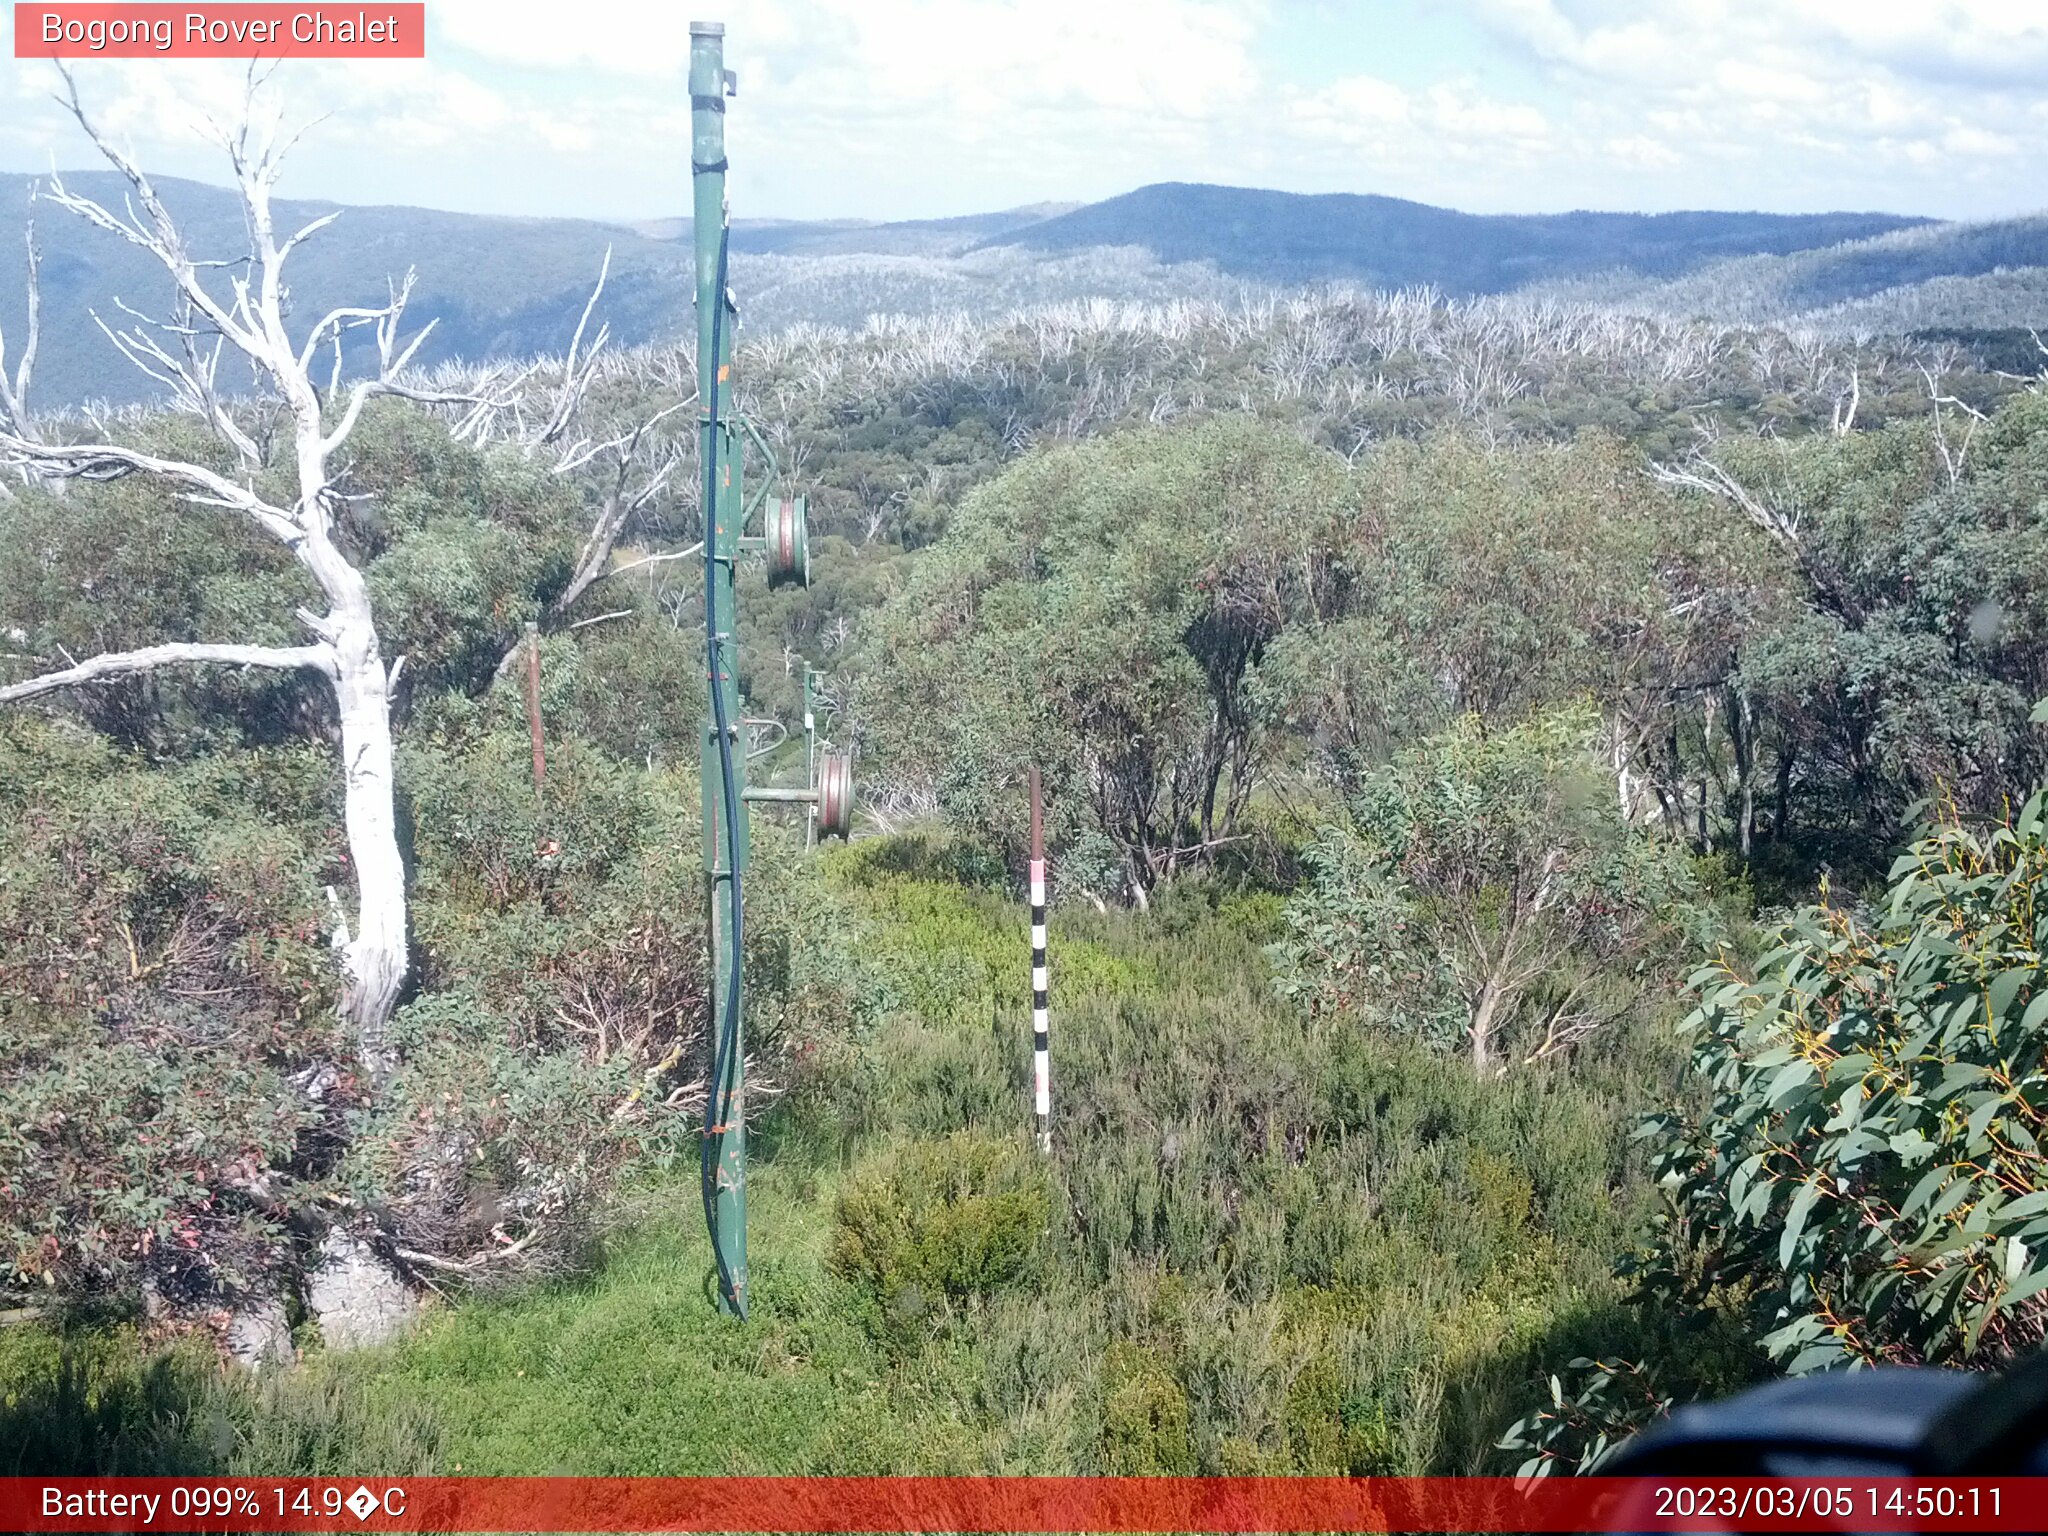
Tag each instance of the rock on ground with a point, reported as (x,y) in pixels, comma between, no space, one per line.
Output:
(259,1335)
(355,1295)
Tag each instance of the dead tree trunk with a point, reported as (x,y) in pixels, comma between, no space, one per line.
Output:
(347,650)
(1742,741)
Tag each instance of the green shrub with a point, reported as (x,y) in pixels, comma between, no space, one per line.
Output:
(559,1043)
(931,1225)
(1485,895)
(1144,1417)
(1101,609)
(484,1151)
(102,1404)
(1868,1167)
(165,1015)
(923,855)
(117,566)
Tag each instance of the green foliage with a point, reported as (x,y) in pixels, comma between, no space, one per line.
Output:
(634,688)
(559,1039)
(116,566)
(929,856)
(83,1404)
(464,545)
(1102,610)
(1868,1166)
(1344,1253)
(1255,1248)
(1485,895)
(1606,1403)
(1899,655)
(163,983)
(935,1224)
(1472,580)
(631,1372)
(1144,1417)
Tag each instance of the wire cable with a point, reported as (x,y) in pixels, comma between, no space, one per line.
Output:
(718,1102)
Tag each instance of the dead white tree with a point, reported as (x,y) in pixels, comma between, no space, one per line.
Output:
(1775,510)
(1953,454)
(1844,421)
(631,469)
(578,371)
(14,409)
(640,464)
(183,353)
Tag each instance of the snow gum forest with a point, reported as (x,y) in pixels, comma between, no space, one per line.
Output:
(1548,858)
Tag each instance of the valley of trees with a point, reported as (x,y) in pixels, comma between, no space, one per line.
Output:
(1546,840)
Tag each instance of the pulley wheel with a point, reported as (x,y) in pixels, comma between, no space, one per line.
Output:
(835,796)
(789,544)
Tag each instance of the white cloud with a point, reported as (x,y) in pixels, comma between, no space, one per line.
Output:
(896,108)
(1640,149)
(1389,125)
(1905,96)
(648,38)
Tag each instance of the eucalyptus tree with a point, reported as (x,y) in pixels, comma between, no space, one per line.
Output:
(1104,610)
(1484,895)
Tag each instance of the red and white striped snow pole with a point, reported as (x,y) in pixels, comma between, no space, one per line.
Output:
(1041,1039)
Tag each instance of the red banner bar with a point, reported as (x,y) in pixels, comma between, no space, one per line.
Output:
(379,29)
(1021,1504)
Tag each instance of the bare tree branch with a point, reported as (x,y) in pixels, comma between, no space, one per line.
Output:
(106,461)
(1777,517)
(14,392)
(604,618)
(676,554)
(619,506)
(161,237)
(316,658)
(576,383)
(1952,458)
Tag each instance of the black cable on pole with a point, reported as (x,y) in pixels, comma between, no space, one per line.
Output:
(718,1102)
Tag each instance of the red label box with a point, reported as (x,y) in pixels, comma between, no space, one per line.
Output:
(373,30)
(1022,1504)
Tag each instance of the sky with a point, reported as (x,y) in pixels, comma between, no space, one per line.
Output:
(890,109)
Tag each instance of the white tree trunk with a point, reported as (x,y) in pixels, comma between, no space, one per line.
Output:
(375,958)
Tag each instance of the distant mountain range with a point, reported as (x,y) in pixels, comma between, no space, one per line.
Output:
(514,286)
(1387,242)
(497,286)
(858,237)
(1971,276)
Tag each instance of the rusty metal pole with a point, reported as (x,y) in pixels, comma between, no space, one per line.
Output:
(540,752)
(1041,1036)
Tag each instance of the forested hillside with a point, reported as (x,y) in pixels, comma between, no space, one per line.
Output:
(1979,283)
(1389,242)
(1546,859)
(513,287)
